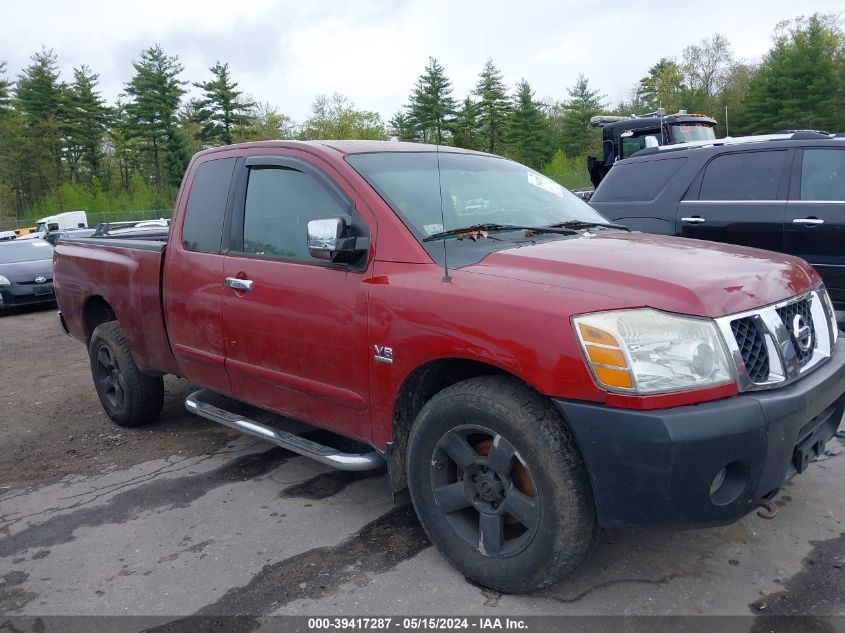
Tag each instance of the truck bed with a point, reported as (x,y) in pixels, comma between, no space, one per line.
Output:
(125,273)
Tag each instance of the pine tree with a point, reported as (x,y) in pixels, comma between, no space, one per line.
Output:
(86,122)
(222,107)
(465,126)
(528,138)
(155,92)
(492,107)
(5,90)
(431,106)
(39,99)
(801,83)
(402,127)
(582,104)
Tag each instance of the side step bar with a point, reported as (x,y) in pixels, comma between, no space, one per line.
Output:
(198,404)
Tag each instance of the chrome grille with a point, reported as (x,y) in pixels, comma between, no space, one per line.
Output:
(787,314)
(763,342)
(750,338)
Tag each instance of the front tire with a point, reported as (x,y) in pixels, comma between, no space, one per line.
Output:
(499,484)
(129,397)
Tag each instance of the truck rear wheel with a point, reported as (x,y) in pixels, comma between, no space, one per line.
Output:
(499,484)
(129,397)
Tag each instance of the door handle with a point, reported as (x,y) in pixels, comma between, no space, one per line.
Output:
(244,285)
(693,220)
(808,221)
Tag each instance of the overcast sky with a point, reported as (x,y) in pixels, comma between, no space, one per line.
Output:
(289,52)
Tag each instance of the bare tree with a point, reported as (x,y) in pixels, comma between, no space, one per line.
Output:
(707,65)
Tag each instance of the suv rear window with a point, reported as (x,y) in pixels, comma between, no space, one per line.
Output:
(203,228)
(637,182)
(743,176)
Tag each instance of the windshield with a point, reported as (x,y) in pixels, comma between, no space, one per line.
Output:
(25,251)
(476,190)
(685,132)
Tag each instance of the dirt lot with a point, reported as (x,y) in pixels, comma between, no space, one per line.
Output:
(52,423)
(182,518)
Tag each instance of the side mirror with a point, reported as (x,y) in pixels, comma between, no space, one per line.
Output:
(323,237)
(651,141)
(326,241)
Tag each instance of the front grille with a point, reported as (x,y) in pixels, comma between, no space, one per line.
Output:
(752,346)
(787,314)
(763,342)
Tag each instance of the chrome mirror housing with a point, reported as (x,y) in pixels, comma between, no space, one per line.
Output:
(324,237)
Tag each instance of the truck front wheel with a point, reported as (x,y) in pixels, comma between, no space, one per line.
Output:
(499,485)
(129,397)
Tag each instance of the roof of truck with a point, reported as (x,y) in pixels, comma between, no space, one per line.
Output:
(352,147)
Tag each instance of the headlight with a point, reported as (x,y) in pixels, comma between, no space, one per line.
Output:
(645,351)
(4,281)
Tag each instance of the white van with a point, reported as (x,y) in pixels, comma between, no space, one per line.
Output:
(62,221)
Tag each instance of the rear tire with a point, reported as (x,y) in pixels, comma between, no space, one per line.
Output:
(499,484)
(129,397)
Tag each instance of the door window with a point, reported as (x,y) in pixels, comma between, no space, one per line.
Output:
(823,175)
(206,209)
(743,176)
(280,202)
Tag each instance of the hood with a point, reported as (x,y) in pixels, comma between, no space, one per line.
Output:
(27,271)
(668,273)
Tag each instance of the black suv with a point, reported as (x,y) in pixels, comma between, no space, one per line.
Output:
(780,192)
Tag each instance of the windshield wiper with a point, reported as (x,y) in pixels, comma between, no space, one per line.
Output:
(582,224)
(487,228)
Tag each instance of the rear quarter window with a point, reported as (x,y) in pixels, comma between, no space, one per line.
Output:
(203,227)
(638,182)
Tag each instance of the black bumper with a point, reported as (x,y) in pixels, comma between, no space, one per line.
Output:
(17,295)
(649,467)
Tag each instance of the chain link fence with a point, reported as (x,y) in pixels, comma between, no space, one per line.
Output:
(94,218)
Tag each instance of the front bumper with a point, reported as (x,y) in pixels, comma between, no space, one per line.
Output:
(16,295)
(649,467)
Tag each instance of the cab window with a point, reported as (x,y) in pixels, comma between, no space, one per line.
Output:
(280,202)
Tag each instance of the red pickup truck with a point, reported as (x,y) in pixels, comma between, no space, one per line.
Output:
(525,369)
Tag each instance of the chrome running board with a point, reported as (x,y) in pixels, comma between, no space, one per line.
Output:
(198,403)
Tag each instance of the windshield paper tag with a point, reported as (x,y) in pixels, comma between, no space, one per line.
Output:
(431,229)
(544,183)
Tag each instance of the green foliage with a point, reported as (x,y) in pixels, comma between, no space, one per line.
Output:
(93,199)
(335,117)
(662,87)
(707,67)
(465,127)
(264,123)
(401,126)
(528,139)
(222,107)
(5,90)
(801,83)
(583,103)
(154,93)
(431,107)
(571,172)
(492,107)
(86,121)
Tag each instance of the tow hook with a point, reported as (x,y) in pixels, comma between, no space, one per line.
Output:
(767,509)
